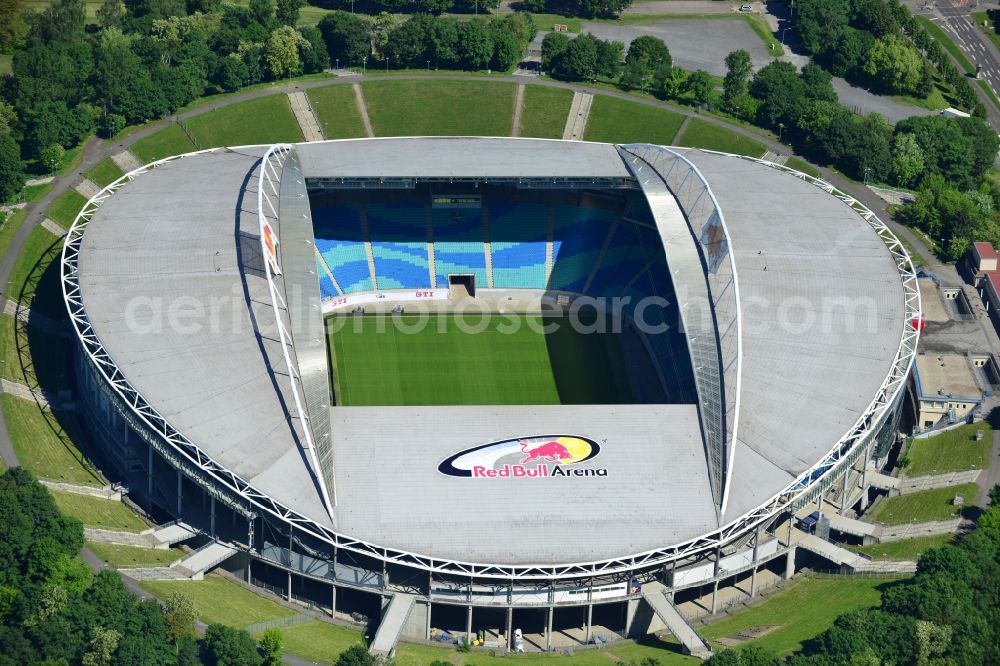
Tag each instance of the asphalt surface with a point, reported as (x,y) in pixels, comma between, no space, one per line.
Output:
(973,42)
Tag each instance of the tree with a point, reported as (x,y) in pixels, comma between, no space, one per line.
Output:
(609,57)
(634,76)
(356,655)
(578,61)
(281,52)
(506,51)
(650,51)
(895,65)
(699,85)
(103,644)
(312,51)
(994,496)
(11,23)
(907,159)
(110,14)
(262,12)
(51,156)
(270,643)
(553,44)
(347,37)
(605,8)
(226,646)
(475,45)
(739,68)
(287,12)
(11,173)
(408,42)
(8,118)
(179,615)
(780,91)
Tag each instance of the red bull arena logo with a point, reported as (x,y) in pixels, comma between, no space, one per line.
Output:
(536,457)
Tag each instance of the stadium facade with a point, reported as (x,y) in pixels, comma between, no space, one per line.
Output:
(200,286)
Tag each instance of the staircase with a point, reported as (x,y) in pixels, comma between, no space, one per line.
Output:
(393,619)
(487,248)
(191,567)
(692,641)
(363,216)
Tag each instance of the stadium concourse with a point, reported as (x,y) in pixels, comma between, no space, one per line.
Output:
(272,347)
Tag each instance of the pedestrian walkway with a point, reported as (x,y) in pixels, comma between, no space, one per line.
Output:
(851,526)
(305,117)
(882,481)
(827,550)
(44,399)
(579,113)
(359,99)
(190,567)
(393,619)
(127,161)
(518,108)
(35,319)
(87,188)
(911,530)
(692,641)
(104,492)
(929,482)
(53,228)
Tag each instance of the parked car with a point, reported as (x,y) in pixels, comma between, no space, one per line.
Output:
(746,8)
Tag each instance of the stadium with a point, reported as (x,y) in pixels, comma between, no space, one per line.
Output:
(484,385)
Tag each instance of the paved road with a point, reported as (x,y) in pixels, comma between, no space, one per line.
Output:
(991,475)
(863,102)
(957,23)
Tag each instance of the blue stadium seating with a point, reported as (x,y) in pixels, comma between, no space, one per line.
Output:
(399,244)
(339,240)
(578,234)
(518,234)
(458,244)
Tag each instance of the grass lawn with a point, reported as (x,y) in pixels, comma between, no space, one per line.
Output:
(804,610)
(546,21)
(35,278)
(699,134)
(337,112)
(263,120)
(951,451)
(800,164)
(414,364)
(9,227)
(923,506)
(545,110)
(43,442)
(412,654)
(937,33)
(35,192)
(105,172)
(105,514)
(65,208)
(440,108)
(219,600)
(322,642)
(32,357)
(131,556)
(170,140)
(904,549)
(614,120)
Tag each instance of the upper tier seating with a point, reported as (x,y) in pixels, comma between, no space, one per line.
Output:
(340,242)
(399,244)
(517,239)
(459,244)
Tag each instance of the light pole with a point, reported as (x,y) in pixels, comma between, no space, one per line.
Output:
(387,64)
(428,65)
(338,63)
(783,31)
(352,6)
(364,62)
(781,127)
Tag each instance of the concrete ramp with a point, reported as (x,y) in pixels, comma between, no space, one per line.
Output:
(830,551)
(692,641)
(391,625)
(173,533)
(850,525)
(206,557)
(883,481)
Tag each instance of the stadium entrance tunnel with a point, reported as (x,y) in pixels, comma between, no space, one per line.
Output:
(496,294)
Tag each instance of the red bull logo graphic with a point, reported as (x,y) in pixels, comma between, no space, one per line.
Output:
(536,457)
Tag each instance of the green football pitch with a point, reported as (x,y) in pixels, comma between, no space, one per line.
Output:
(440,360)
